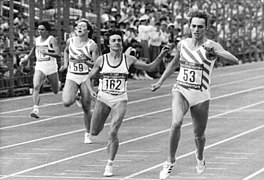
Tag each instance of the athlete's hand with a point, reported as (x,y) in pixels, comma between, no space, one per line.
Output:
(63,68)
(93,95)
(210,52)
(154,87)
(209,48)
(23,60)
(165,49)
(44,52)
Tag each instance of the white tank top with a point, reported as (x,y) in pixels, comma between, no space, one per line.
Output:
(82,53)
(44,60)
(113,79)
(195,68)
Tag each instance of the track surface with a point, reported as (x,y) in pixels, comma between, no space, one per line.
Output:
(52,148)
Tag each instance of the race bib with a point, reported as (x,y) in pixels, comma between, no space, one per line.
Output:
(79,68)
(40,56)
(190,75)
(114,83)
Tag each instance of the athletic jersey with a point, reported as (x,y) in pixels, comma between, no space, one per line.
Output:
(195,68)
(44,60)
(113,79)
(82,53)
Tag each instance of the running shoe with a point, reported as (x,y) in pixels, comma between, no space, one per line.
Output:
(200,167)
(78,99)
(108,171)
(35,113)
(166,171)
(87,138)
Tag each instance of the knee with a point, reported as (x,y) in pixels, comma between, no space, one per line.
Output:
(176,126)
(113,135)
(200,137)
(67,103)
(36,87)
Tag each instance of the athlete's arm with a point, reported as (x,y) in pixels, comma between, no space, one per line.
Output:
(172,66)
(153,65)
(219,51)
(56,50)
(94,53)
(95,70)
(66,56)
(31,54)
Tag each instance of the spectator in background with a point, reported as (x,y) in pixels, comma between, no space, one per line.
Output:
(134,49)
(155,41)
(143,35)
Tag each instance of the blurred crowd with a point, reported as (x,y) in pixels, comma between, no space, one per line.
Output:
(150,26)
(21,46)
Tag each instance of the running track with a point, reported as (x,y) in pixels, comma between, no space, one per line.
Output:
(51,148)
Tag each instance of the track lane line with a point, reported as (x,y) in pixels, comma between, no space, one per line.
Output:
(254,174)
(126,119)
(213,77)
(143,137)
(147,88)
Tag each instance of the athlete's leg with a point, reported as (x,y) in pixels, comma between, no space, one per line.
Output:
(37,82)
(118,113)
(54,82)
(199,115)
(86,105)
(99,116)
(180,107)
(69,92)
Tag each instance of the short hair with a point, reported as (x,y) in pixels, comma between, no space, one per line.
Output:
(199,14)
(46,24)
(114,31)
(89,26)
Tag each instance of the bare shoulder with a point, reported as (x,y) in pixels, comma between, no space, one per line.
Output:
(93,45)
(99,61)
(131,60)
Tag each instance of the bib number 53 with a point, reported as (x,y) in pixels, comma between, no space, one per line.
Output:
(188,75)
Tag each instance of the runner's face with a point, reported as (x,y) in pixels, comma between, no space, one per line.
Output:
(42,30)
(81,29)
(115,42)
(198,27)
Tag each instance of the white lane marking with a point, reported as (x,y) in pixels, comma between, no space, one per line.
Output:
(209,146)
(132,151)
(131,102)
(131,155)
(140,89)
(47,149)
(30,108)
(254,174)
(143,137)
(217,69)
(230,158)
(15,158)
(19,116)
(127,119)
(228,163)
(31,153)
(240,153)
